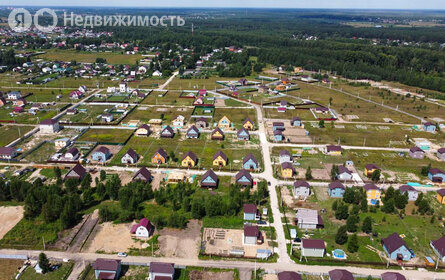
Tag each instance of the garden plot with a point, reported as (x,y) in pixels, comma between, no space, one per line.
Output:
(211,275)
(180,243)
(9,217)
(26,117)
(351,117)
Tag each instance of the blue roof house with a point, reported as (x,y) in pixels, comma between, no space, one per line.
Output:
(336,189)
(243,134)
(278,135)
(436,175)
(296,121)
(429,127)
(396,248)
(102,154)
(278,126)
(250,162)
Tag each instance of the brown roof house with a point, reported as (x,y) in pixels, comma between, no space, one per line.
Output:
(340,274)
(107,268)
(77,172)
(396,248)
(441,154)
(49,126)
(289,275)
(252,235)
(161,271)
(439,247)
(312,248)
(209,179)
(416,152)
(392,276)
(143,174)
(243,178)
(251,212)
(7,153)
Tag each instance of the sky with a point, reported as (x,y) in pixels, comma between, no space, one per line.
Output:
(329,4)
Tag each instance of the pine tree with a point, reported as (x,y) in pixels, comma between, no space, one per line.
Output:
(367,225)
(353,244)
(342,236)
(43,262)
(309,173)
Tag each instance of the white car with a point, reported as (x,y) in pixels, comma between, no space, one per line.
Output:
(122,255)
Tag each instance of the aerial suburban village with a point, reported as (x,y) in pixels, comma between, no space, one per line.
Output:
(162,160)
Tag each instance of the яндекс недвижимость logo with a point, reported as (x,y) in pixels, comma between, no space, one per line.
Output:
(21,20)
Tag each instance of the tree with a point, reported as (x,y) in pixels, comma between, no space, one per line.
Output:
(353,244)
(309,173)
(57,172)
(321,124)
(103,175)
(351,223)
(375,177)
(367,225)
(43,262)
(342,212)
(390,193)
(349,195)
(342,236)
(388,207)
(334,172)
(86,181)
(425,169)
(401,200)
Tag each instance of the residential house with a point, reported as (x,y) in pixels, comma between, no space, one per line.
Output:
(143,174)
(263,89)
(436,175)
(283,103)
(248,124)
(167,132)
(344,174)
(285,156)
(130,157)
(107,268)
(209,179)
(441,154)
(14,95)
(76,94)
(143,130)
(439,247)
(2,101)
(102,154)
(301,189)
(7,153)
(178,122)
(333,150)
(289,275)
(159,157)
(61,143)
(143,229)
(192,132)
(217,134)
(313,248)
(278,135)
(71,111)
(72,154)
(441,196)
(107,118)
(77,172)
(373,194)
(189,160)
(242,82)
(392,276)
(429,127)
(123,87)
(336,189)
(370,168)
(18,110)
(243,178)
(224,123)
(49,126)
(340,274)
(308,219)
(396,248)
(410,191)
(202,123)
(321,110)
(243,134)
(83,89)
(416,152)
(296,121)
(287,170)
(220,159)
(161,271)
(20,102)
(252,235)
(250,162)
(278,126)
(157,73)
(251,212)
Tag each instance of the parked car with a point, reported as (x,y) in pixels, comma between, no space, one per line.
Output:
(122,255)
(261,222)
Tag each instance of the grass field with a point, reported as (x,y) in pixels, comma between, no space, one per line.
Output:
(91,115)
(236,116)
(9,133)
(305,115)
(204,148)
(106,135)
(171,98)
(46,95)
(167,114)
(62,273)
(27,118)
(9,268)
(89,57)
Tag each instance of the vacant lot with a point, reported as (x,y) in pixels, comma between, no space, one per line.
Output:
(166,114)
(61,273)
(9,133)
(89,57)
(9,217)
(171,98)
(9,268)
(181,243)
(210,275)
(106,135)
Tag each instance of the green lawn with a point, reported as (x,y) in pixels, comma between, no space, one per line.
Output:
(9,133)
(171,98)
(91,115)
(106,135)
(89,57)
(62,273)
(27,118)
(167,114)
(42,154)
(236,116)
(9,268)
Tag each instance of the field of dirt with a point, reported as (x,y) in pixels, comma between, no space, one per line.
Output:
(9,217)
(180,243)
(9,268)
(111,238)
(208,275)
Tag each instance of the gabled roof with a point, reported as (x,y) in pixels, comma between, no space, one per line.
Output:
(439,244)
(103,149)
(340,274)
(407,188)
(336,185)
(416,149)
(247,120)
(393,242)
(218,130)
(435,171)
(278,124)
(144,172)
(441,192)
(343,169)
(167,129)
(211,174)
(369,187)
(144,126)
(333,148)
(250,208)
(132,154)
(160,267)
(301,183)
(191,155)
(202,120)
(313,244)
(250,157)
(243,173)
(296,119)
(161,152)
(289,275)
(392,276)
(251,231)
(193,128)
(284,153)
(73,150)
(371,166)
(277,132)
(106,264)
(7,150)
(287,165)
(241,130)
(49,122)
(441,151)
(79,169)
(220,153)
